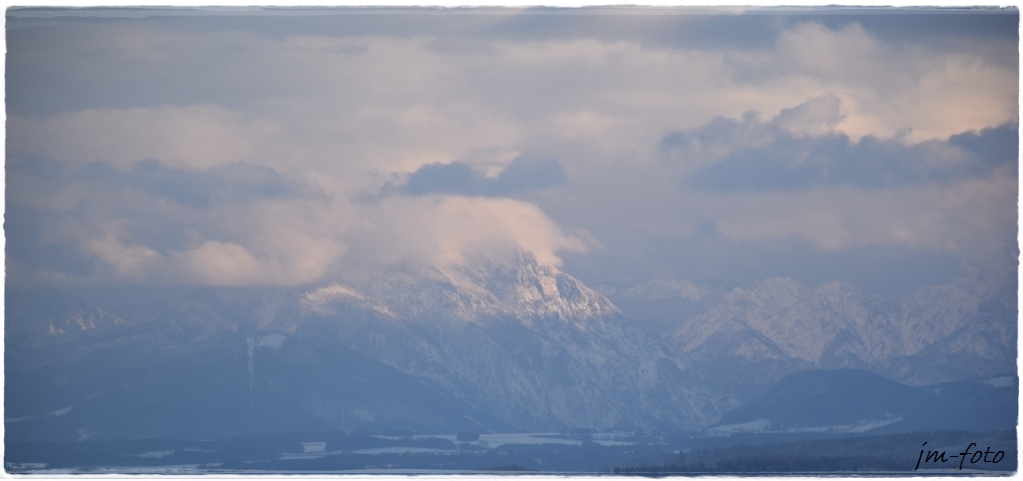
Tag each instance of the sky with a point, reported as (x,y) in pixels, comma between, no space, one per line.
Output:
(291,147)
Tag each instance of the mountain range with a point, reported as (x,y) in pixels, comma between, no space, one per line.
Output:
(748,338)
(493,345)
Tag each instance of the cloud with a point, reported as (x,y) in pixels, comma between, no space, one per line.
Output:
(154,224)
(441,230)
(377,95)
(240,224)
(798,150)
(523,174)
(529,173)
(195,136)
(235,149)
(734,197)
(948,218)
(210,263)
(996,146)
(232,183)
(452,178)
(816,116)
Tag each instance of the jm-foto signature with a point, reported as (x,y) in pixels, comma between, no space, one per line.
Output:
(985,456)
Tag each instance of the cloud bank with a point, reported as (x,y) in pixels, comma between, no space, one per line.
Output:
(269,149)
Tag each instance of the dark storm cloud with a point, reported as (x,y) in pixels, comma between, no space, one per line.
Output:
(524,174)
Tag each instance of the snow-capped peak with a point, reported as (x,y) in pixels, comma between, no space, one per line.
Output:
(514,286)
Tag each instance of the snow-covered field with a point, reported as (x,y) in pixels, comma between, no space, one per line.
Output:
(764,426)
(495,440)
(757,426)
(400,450)
(860,427)
(177,470)
(1004,381)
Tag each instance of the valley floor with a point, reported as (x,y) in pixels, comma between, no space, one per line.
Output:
(620,453)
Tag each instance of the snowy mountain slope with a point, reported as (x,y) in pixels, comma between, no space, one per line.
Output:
(526,341)
(516,286)
(985,343)
(932,313)
(780,326)
(519,344)
(831,323)
(204,367)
